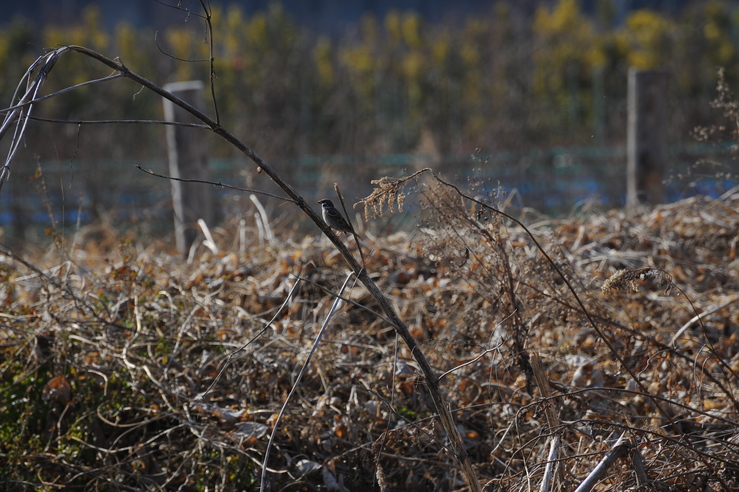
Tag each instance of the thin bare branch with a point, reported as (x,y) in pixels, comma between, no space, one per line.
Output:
(214,183)
(334,307)
(289,296)
(116,122)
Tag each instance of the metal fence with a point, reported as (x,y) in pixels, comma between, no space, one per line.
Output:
(554,181)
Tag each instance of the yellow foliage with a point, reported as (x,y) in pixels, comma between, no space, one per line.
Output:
(608,47)
(413,65)
(411,26)
(235,18)
(93,35)
(566,41)
(548,62)
(257,35)
(89,33)
(718,31)
(711,31)
(392,26)
(470,55)
(359,59)
(324,60)
(726,53)
(649,33)
(564,18)
(232,39)
(360,65)
(440,50)
(186,45)
(646,26)
(475,27)
(126,41)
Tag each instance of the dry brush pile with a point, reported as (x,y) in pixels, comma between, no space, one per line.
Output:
(108,351)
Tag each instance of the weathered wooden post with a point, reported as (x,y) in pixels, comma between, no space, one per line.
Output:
(645,137)
(188,159)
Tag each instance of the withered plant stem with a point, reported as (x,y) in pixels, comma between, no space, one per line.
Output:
(564,278)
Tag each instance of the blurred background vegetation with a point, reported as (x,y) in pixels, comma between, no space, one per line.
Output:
(506,97)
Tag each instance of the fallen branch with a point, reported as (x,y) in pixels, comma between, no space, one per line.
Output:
(616,452)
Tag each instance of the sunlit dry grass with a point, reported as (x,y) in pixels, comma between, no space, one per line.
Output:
(108,350)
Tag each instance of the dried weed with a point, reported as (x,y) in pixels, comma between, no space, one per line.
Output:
(106,355)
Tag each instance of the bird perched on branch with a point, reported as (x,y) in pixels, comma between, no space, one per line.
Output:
(333,218)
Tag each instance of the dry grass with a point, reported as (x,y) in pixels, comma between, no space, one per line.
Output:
(106,353)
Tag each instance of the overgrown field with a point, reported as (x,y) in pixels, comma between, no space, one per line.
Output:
(109,349)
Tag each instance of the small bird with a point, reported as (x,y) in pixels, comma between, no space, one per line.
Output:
(333,218)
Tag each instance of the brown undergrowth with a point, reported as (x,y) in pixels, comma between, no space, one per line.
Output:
(107,353)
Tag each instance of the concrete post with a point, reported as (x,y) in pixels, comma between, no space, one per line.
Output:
(645,137)
(188,159)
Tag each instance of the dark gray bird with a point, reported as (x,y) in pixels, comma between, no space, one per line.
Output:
(334,219)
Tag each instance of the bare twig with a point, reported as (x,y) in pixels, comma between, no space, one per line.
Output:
(22,110)
(119,122)
(290,295)
(469,362)
(702,315)
(334,306)
(346,214)
(220,184)
(205,5)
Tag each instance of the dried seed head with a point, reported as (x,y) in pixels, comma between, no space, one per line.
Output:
(633,279)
